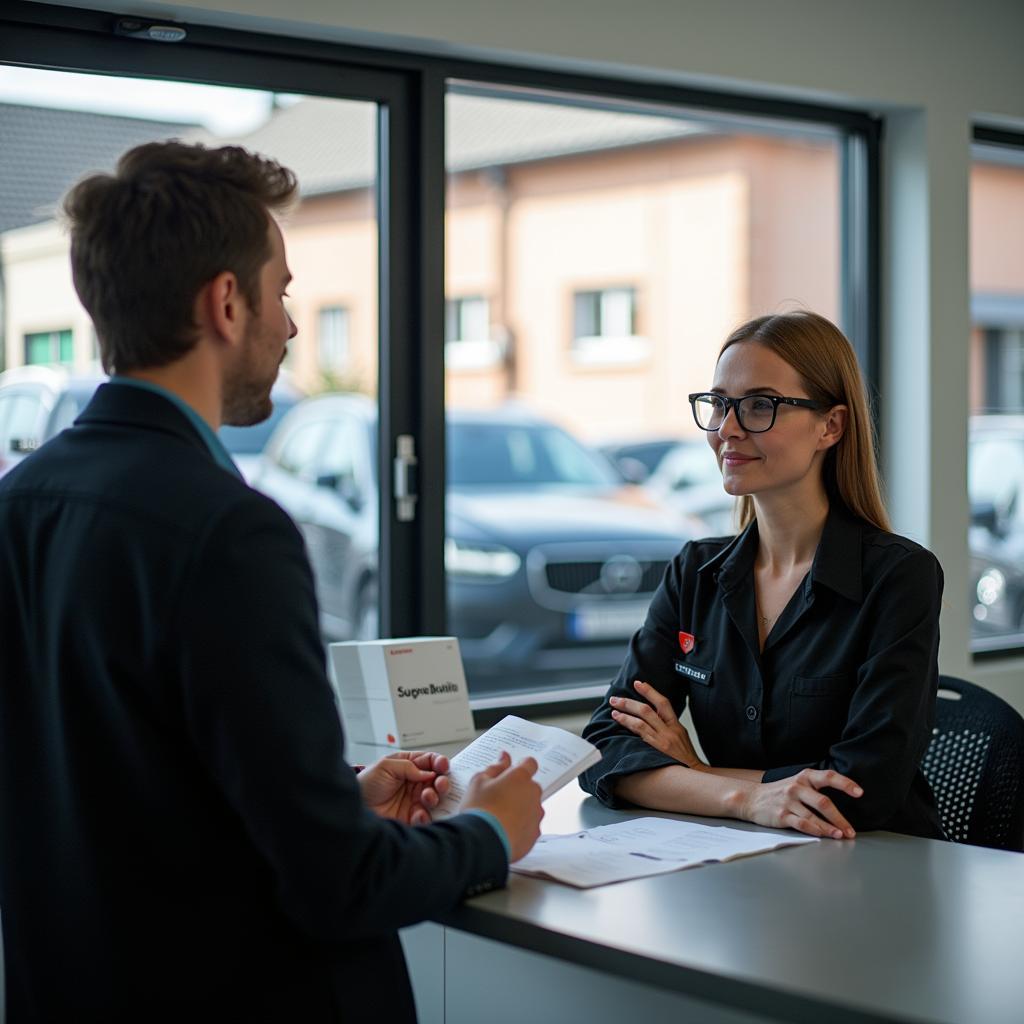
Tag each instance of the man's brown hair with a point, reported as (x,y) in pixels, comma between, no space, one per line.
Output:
(145,240)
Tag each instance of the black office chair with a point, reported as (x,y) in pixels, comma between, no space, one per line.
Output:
(975,766)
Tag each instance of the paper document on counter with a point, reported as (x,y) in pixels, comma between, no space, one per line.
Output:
(641,847)
(560,756)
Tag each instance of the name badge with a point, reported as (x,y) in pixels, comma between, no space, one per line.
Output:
(700,675)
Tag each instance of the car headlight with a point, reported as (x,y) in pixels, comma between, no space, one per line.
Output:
(991,586)
(480,561)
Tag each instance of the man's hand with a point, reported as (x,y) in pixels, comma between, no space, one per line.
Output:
(405,786)
(511,795)
(656,724)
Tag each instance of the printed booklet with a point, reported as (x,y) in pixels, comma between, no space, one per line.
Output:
(560,756)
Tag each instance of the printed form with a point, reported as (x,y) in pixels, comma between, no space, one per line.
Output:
(642,847)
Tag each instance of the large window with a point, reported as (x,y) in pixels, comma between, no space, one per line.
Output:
(546,269)
(995,479)
(331,241)
(619,244)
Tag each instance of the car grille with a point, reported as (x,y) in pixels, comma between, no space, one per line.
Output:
(585,577)
(576,574)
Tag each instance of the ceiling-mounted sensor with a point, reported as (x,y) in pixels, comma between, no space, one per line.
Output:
(158,33)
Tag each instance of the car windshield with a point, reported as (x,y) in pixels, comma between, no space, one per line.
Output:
(521,455)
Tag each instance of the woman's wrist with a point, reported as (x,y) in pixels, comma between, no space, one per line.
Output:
(737,799)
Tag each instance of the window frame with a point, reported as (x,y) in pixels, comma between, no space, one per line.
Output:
(410,90)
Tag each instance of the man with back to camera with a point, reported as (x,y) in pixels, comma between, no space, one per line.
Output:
(180,836)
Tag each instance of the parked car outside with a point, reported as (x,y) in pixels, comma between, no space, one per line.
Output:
(638,459)
(246,444)
(995,486)
(38,402)
(689,482)
(551,559)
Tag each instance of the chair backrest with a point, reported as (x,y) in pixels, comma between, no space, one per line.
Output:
(975,766)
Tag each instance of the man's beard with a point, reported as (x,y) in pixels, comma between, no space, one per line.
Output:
(246,397)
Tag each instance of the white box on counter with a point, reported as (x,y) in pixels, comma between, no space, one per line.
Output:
(405,692)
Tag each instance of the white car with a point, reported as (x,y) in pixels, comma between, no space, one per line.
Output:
(38,402)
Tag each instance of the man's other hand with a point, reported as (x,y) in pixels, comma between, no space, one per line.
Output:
(511,795)
(406,785)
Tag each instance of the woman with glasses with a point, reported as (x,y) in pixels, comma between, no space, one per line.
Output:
(806,647)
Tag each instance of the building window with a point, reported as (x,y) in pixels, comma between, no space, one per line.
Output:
(333,338)
(604,328)
(1004,370)
(467,334)
(467,319)
(610,312)
(49,347)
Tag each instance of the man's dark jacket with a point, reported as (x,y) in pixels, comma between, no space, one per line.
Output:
(180,837)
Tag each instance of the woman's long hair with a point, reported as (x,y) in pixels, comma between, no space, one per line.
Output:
(829,371)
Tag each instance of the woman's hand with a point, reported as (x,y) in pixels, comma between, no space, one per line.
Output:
(656,724)
(405,786)
(797,803)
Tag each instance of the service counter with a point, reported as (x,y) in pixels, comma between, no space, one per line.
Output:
(881,928)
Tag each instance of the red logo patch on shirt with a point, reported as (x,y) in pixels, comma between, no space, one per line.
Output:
(391,739)
(686,641)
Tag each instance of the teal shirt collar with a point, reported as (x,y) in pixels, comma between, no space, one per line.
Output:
(210,439)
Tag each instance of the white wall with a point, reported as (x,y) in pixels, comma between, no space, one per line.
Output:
(930,66)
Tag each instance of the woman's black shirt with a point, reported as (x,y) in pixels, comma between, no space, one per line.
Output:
(846,680)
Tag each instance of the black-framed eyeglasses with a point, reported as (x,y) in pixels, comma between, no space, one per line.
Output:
(755,413)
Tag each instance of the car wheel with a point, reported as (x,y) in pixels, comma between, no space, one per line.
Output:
(367,613)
